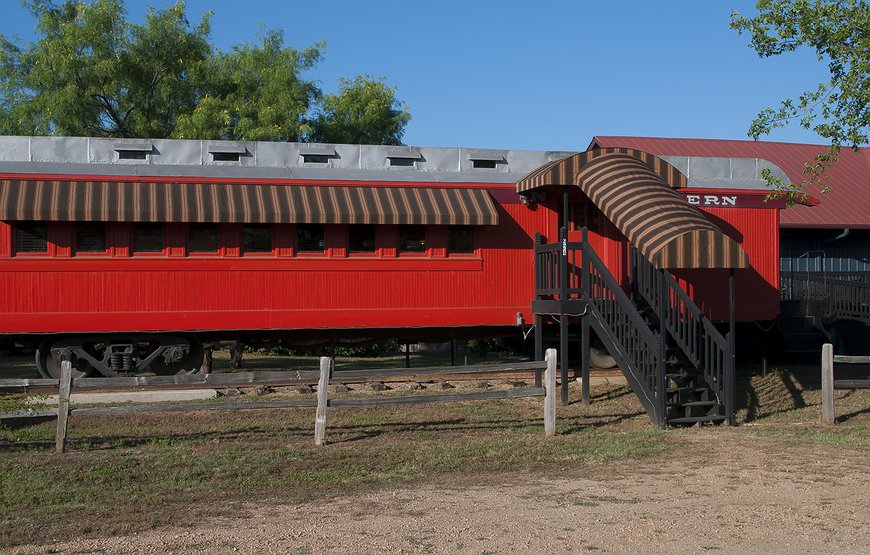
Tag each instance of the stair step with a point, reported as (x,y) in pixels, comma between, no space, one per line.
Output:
(697,419)
(695,404)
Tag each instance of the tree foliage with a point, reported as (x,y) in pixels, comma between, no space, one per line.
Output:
(364,111)
(93,73)
(839,32)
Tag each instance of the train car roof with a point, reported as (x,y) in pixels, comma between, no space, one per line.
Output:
(194,159)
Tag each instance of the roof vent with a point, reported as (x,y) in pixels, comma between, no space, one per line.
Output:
(227,152)
(316,154)
(483,159)
(133,150)
(403,156)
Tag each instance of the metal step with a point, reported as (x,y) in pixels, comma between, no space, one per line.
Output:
(689,420)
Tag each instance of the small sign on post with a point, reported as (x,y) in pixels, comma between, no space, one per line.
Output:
(63,393)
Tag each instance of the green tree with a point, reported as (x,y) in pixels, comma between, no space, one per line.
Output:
(839,32)
(93,73)
(254,94)
(364,111)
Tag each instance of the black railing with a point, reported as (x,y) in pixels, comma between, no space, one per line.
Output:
(845,296)
(705,347)
(548,272)
(617,322)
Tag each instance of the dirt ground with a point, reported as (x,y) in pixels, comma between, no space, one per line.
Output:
(728,491)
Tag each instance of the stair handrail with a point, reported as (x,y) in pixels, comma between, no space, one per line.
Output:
(637,344)
(701,342)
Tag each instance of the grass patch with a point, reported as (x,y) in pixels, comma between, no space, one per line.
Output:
(132,472)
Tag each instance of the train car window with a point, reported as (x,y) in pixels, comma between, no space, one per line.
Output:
(257,238)
(31,237)
(309,238)
(90,237)
(412,238)
(203,238)
(361,238)
(460,240)
(147,237)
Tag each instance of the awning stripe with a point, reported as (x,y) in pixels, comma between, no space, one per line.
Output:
(220,202)
(635,191)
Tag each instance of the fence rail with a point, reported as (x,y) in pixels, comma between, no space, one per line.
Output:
(829,384)
(326,374)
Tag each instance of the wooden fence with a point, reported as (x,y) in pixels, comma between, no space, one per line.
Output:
(66,384)
(829,384)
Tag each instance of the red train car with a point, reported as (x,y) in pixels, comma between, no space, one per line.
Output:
(127,255)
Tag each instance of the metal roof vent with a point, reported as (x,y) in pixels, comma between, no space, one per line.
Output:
(484,159)
(133,150)
(227,152)
(316,154)
(403,156)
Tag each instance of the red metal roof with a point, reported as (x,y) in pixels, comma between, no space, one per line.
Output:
(846,205)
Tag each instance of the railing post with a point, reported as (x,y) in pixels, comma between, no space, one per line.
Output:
(586,287)
(563,318)
(550,395)
(662,381)
(326,366)
(63,393)
(731,369)
(828,383)
(539,345)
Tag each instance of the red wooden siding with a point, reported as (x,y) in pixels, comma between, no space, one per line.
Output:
(81,294)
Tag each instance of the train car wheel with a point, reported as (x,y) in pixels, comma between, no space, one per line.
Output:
(48,363)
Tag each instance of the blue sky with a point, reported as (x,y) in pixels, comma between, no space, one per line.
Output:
(529,75)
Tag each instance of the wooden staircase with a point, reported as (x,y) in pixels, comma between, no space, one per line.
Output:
(675,360)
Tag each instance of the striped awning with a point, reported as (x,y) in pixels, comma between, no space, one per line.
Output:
(637,194)
(121,201)
(564,171)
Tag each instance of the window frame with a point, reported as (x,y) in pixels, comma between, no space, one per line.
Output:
(376,250)
(244,253)
(49,246)
(310,254)
(221,247)
(427,240)
(133,253)
(474,242)
(89,254)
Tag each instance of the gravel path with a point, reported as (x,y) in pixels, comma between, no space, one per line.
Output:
(731,493)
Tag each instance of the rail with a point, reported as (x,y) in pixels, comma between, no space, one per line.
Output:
(845,296)
(829,384)
(630,338)
(66,385)
(548,272)
(704,345)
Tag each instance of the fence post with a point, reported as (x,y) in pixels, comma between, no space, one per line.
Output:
(326,366)
(550,394)
(828,383)
(63,392)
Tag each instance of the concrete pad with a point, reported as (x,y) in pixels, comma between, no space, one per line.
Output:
(128,397)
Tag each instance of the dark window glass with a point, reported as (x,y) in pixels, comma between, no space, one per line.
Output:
(147,237)
(362,238)
(203,238)
(412,238)
(460,240)
(315,158)
(483,164)
(90,237)
(225,156)
(309,238)
(257,238)
(132,155)
(31,237)
(402,162)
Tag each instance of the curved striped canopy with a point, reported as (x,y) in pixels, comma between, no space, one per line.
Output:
(635,191)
